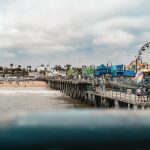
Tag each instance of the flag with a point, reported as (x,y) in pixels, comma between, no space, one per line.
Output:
(139,76)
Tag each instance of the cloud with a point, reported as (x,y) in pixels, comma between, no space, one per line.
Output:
(6,54)
(87,29)
(117,39)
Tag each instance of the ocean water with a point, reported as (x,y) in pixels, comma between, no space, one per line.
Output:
(17,100)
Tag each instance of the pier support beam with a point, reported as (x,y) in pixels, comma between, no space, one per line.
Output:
(131,106)
(139,107)
(97,101)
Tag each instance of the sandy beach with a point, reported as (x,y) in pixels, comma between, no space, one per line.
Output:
(24,84)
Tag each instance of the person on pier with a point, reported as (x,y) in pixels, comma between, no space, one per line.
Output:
(148,93)
(140,94)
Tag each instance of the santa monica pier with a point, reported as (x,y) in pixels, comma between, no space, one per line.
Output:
(107,86)
(104,86)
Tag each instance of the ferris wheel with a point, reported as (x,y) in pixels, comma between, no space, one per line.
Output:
(142,60)
(144,54)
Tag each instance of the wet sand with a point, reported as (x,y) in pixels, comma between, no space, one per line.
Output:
(24,84)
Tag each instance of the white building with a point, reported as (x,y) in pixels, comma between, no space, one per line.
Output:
(33,74)
(41,68)
(55,72)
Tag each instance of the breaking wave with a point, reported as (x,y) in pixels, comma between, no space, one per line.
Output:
(19,91)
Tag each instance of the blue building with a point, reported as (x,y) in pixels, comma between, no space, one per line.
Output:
(129,73)
(102,70)
(115,71)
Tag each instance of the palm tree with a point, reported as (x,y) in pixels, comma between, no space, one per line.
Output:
(67,66)
(19,70)
(79,70)
(5,71)
(19,66)
(28,69)
(1,68)
(24,72)
(11,65)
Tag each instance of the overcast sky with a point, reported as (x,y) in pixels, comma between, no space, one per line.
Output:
(32,32)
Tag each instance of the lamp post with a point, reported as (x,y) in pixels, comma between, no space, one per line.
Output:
(138,58)
(94,71)
(107,68)
(109,63)
(136,64)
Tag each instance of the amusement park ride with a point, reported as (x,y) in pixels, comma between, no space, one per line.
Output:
(138,63)
(142,69)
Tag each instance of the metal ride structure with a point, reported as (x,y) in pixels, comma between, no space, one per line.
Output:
(139,58)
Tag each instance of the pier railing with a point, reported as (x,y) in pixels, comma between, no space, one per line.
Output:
(79,90)
(125,96)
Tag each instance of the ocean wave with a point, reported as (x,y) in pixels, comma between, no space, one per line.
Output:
(27,91)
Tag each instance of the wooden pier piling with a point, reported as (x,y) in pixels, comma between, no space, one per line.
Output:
(79,90)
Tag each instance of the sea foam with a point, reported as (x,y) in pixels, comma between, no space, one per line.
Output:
(16,91)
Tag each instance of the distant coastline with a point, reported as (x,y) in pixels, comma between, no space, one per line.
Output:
(25,84)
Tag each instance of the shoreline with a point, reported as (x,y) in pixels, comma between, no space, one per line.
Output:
(25,84)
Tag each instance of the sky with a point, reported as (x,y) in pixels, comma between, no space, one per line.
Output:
(76,32)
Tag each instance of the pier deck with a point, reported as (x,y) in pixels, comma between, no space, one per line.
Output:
(122,97)
(108,98)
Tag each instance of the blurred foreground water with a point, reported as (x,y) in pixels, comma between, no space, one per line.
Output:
(62,127)
(16,100)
